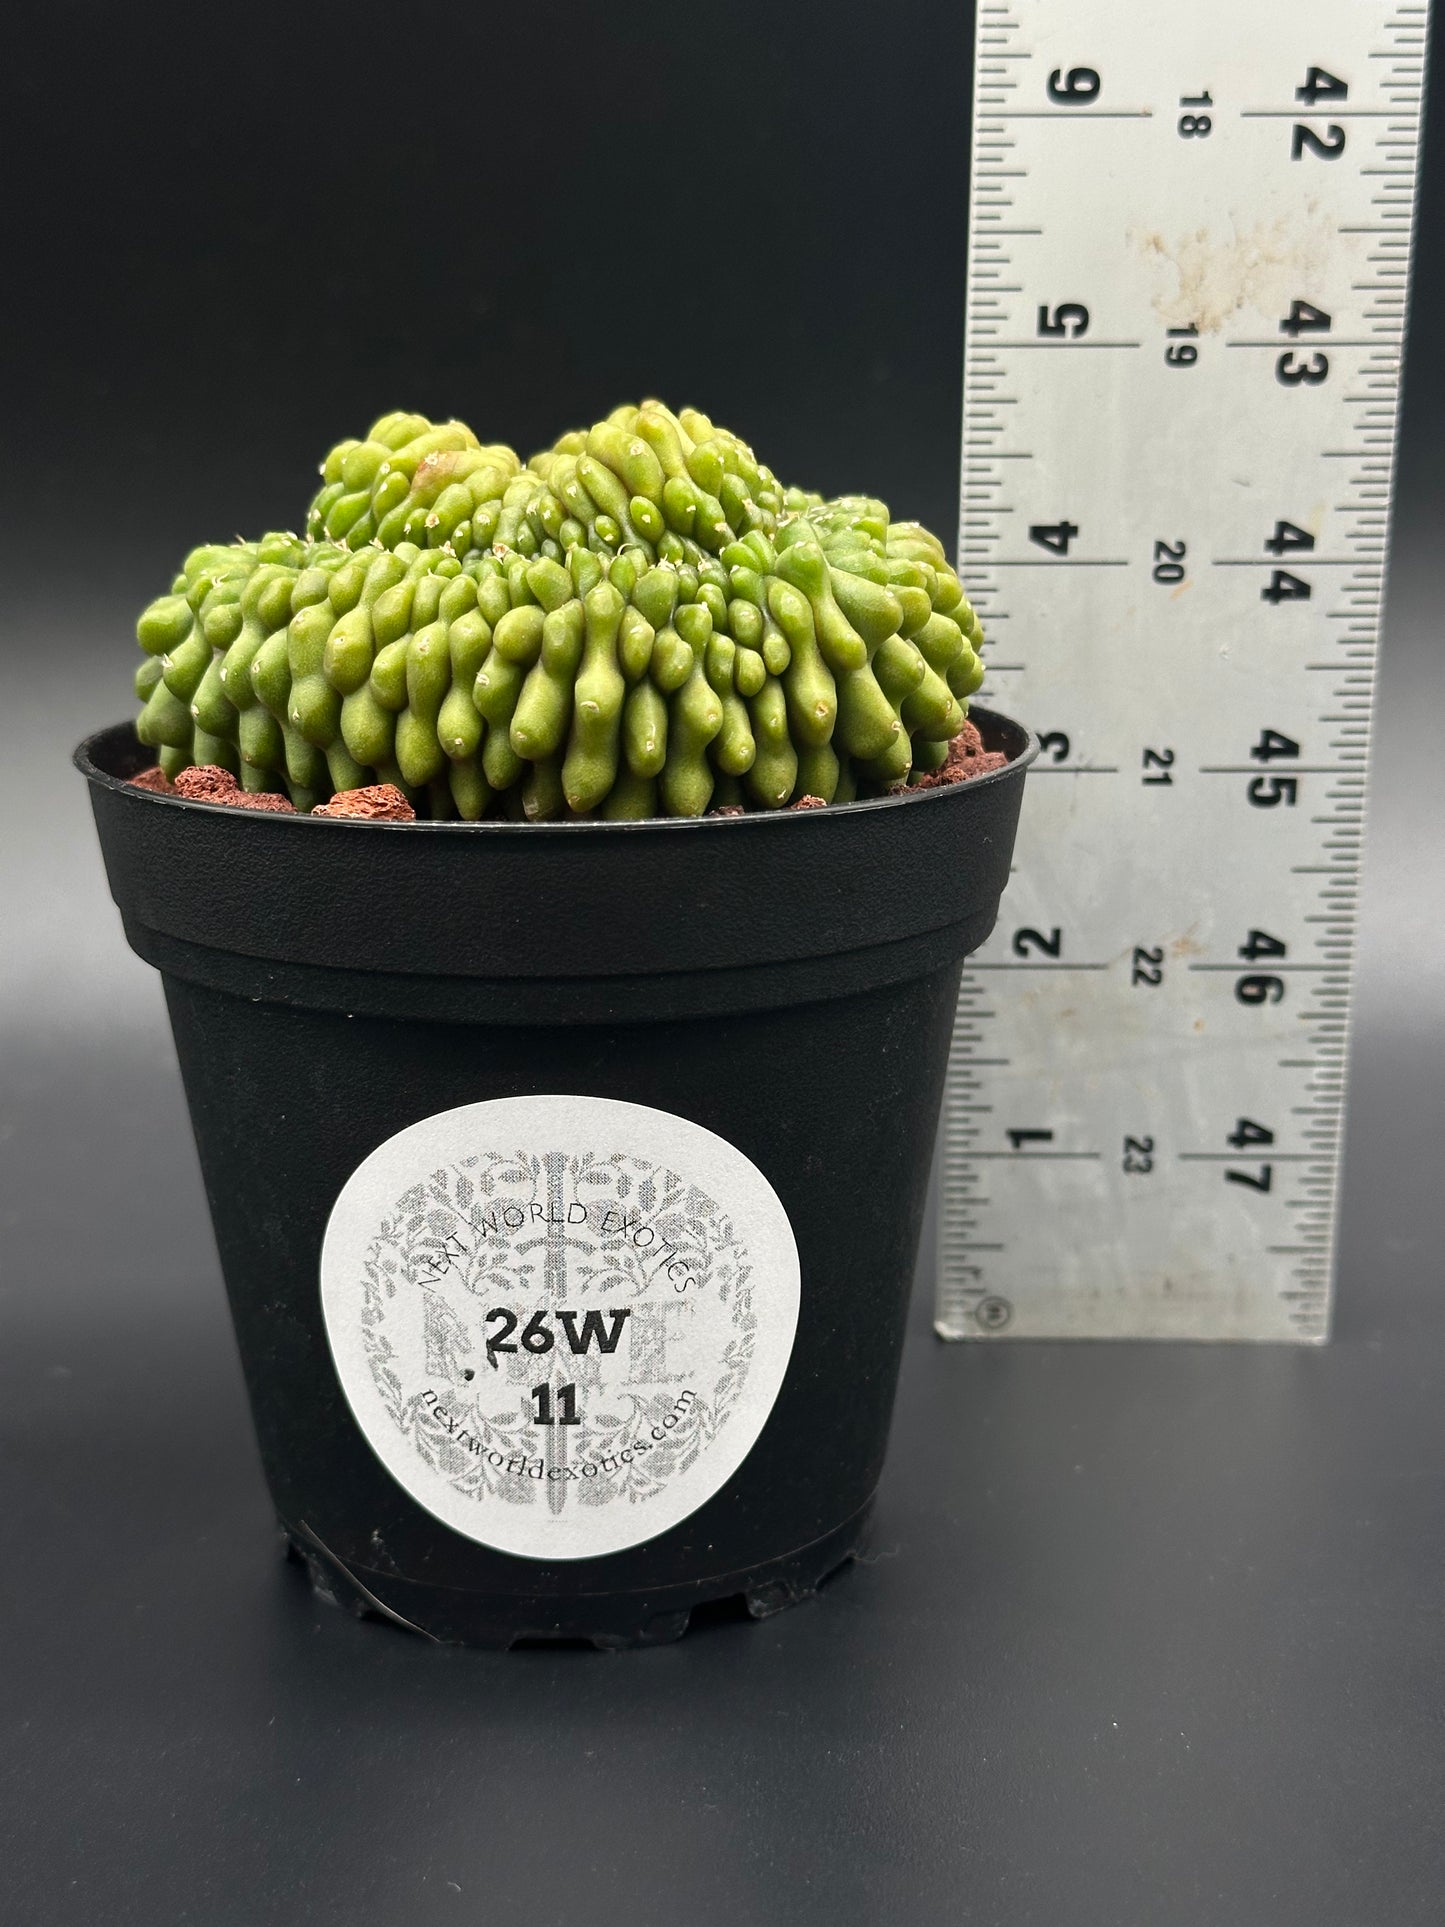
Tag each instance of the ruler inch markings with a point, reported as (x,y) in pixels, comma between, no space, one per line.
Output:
(1161,1016)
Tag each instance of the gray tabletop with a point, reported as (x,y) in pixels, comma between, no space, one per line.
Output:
(1146,1633)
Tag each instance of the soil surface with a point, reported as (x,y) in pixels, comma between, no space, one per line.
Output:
(155,779)
(967,758)
(384,803)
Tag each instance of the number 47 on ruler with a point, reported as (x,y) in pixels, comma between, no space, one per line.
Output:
(1188,267)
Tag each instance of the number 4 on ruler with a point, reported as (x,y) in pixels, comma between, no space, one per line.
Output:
(1174,515)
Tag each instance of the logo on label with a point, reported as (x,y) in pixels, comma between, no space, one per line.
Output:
(561,1322)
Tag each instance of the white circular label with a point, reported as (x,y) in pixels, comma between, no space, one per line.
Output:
(561,1322)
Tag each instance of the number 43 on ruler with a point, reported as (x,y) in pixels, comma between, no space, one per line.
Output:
(1188,264)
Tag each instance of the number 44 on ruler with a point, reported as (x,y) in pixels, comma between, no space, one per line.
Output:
(1188,264)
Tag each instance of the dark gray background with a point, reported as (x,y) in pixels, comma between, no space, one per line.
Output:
(1148,1634)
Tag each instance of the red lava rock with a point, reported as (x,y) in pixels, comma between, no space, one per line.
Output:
(207,784)
(808,803)
(377,803)
(966,758)
(155,779)
(261,800)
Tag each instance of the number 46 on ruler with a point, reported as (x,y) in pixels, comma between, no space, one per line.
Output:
(1188,265)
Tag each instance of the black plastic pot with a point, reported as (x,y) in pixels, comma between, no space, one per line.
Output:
(786,982)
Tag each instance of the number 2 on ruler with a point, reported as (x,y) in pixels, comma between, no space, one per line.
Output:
(1174,512)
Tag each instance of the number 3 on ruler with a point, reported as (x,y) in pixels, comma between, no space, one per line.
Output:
(1230,669)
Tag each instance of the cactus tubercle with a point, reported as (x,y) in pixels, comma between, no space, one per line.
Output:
(639,620)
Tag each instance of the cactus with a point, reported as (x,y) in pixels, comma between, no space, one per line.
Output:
(640,621)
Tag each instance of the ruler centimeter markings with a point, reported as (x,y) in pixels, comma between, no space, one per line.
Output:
(1188,268)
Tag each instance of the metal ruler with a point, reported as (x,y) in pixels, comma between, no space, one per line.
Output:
(1188,263)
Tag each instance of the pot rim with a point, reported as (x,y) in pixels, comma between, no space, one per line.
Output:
(83,759)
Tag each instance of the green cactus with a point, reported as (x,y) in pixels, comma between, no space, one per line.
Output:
(639,621)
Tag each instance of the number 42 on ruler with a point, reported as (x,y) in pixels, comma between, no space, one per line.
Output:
(1188,264)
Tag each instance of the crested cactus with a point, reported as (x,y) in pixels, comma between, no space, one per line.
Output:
(638,622)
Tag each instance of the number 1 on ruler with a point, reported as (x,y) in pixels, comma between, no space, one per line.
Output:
(1187,279)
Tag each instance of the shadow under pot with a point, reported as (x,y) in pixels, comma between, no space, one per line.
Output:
(567,1177)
